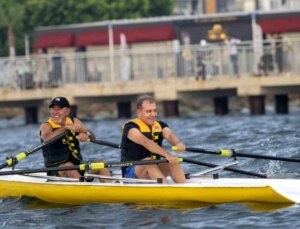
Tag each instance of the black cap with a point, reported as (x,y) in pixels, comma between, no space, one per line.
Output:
(60,101)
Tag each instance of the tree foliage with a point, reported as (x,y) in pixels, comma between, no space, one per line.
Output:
(11,16)
(27,15)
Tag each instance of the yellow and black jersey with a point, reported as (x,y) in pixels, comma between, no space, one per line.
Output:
(133,151)
(64,149)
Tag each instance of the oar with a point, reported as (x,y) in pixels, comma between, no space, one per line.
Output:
(84,167)
(11,161)
(106,143)
(226,168)
(233,153)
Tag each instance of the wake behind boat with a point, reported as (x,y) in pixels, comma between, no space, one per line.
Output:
(201,189)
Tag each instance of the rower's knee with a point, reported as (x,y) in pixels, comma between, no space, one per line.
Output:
(66,164)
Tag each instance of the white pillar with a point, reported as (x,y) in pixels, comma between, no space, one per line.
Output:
(26,41)
(111,51)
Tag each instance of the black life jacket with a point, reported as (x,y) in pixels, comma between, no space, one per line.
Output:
(133,151)
(64,149)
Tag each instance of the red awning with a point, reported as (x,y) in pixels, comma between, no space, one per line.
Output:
(133,35)
(92,38)
(145,34)
(280,25)
(54,40)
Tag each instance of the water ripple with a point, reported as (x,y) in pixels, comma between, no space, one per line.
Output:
(268,135)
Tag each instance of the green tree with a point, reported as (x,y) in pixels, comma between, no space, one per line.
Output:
(161,8)
(11,15)
(24,16)
(57,12)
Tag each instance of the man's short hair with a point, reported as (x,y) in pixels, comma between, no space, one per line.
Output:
(142,98)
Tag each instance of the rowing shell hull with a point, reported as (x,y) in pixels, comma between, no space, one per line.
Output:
(223,190)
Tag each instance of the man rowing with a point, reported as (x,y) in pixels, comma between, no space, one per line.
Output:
(142,140)
(66,151)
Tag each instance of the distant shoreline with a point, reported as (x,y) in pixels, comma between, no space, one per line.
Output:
(186,107)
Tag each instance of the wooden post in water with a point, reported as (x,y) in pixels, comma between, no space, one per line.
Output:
(257,104)
(170,108)
(221,105)
(124,109)
(31,115)
(282,104)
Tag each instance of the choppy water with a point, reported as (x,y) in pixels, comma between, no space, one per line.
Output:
(269,134)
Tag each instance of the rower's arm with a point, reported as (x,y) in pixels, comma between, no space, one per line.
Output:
(169,135)
(136,136)
(47,132)
(81,129)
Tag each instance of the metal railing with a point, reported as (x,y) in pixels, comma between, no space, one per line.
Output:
(205,62)
(192,7)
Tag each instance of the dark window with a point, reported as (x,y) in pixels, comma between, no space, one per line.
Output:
(225,6)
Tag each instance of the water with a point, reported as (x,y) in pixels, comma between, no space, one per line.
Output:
(274,135)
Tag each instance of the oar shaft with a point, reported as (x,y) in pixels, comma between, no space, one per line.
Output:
(50,141)
(275,158)
(226,152)
(100,142)
(106,143)
(84,167)
(132,163)
(198,150)
(22,155)
(227,168)
(39,170)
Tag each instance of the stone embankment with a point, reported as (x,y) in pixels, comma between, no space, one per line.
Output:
(186,106)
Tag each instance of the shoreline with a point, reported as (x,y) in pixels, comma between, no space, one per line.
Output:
(187,107)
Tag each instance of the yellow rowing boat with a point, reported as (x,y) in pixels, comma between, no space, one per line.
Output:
(201,189)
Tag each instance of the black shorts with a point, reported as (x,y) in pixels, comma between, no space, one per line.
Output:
(72,160)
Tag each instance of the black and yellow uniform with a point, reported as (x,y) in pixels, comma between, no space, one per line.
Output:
(133,151)
(63,150)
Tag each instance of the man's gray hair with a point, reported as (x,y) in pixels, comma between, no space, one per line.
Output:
(143,98)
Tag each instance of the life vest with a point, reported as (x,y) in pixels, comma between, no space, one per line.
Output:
(133,151)
(64,149)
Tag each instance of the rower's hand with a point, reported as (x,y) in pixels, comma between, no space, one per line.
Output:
(179,148)
(73,127)
(83,137)
(172,159)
